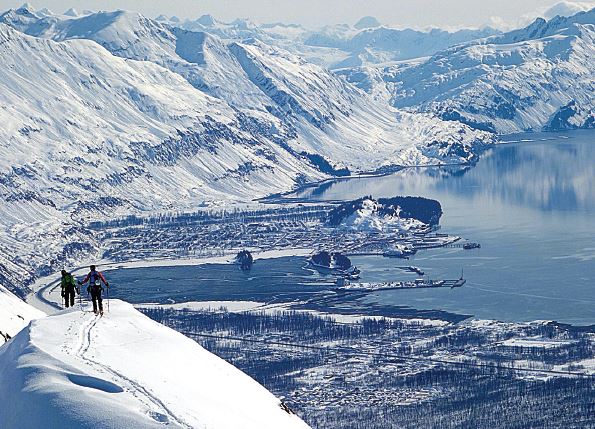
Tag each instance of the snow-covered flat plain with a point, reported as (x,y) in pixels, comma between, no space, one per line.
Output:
(73,369)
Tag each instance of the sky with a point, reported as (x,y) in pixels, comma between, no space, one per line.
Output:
(315,13)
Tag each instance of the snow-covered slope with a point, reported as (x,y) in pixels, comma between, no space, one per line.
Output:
(15,314)
(74,370)
(86,134)
(272,87)
(381,44)
(539,77)
(368,217)
(335,45)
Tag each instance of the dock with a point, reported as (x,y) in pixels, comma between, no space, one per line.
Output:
(417,284)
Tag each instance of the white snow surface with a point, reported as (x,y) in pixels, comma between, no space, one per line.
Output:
(367,218)
(76,370)
(15,314)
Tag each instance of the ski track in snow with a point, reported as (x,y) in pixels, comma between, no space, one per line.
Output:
(164,415)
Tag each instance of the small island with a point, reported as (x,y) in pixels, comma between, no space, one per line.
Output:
(245,260)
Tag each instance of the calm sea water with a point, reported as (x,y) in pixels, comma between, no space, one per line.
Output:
(531,205)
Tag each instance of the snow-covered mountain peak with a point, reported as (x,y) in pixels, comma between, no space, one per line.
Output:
(207,20)
(535,78)
(120,29)
(26,7)
(21,17)
(244,24)
(541,28)
(45,12)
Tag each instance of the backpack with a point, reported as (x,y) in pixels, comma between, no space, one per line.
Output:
(69,282)
(94,281)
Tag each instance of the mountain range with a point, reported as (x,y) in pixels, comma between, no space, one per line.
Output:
(538,78)
(107,114)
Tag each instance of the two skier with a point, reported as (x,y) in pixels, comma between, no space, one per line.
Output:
(95,288)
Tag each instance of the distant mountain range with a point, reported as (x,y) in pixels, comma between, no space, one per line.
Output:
(541,77)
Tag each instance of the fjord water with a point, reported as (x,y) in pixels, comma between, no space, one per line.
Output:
(530,203)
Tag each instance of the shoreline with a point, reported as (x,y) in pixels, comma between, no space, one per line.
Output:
(42,289)
(42,297)
(281,197)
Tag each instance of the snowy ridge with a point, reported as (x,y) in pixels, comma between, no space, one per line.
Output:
(73,369)
(331,46)
(380,44)
(537,78)
(14,315)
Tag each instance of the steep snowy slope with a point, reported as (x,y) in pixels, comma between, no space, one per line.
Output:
(539,77)
(15,314)
(74,370)
(202,59)
(297,97)
(85,134)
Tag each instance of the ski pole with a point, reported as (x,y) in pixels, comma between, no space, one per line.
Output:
(107,292)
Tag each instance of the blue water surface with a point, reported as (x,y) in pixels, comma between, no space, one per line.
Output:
(530,203)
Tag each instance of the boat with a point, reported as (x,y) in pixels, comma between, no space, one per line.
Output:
(394,253)
(417,270)
(352,273)
(468,246)
(460,282)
